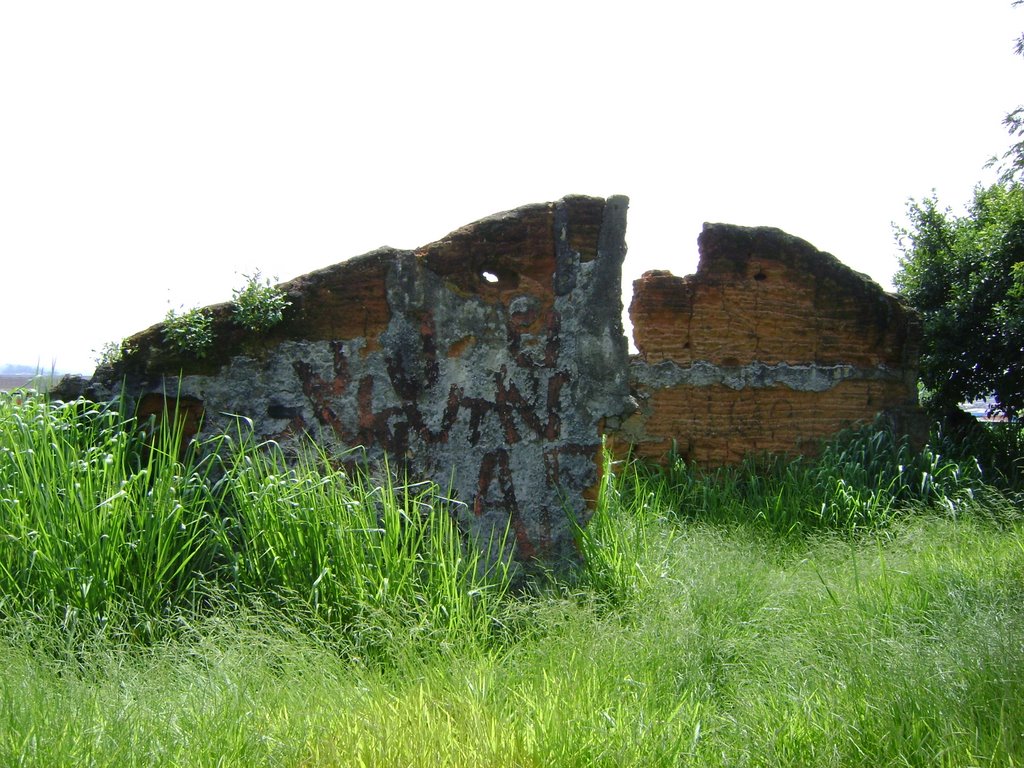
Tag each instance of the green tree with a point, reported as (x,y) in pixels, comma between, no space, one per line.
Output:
(965,275)
(1011,169)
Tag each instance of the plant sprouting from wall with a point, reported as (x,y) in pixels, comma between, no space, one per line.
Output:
(112,352)
(259,306)
(191,331)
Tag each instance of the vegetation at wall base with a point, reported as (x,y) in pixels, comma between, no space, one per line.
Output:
(100,515)
(248,611)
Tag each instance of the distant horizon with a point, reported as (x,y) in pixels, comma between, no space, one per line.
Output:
(23,369)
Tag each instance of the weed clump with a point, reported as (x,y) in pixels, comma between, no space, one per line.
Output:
(190,331)
(101,515)
(258,305)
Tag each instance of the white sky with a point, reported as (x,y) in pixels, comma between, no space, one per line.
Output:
(151,154)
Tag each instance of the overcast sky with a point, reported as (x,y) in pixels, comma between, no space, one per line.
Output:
(152,154)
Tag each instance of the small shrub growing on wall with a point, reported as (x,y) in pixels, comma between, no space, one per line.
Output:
(259,306)
(191,331)
(112,352)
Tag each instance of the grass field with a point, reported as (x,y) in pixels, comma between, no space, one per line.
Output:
(866,609)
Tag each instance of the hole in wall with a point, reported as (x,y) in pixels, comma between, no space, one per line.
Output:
(280,411)
(760,276)
(489,277)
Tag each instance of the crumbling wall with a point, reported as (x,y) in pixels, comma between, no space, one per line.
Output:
(494,361)
(771,346)
(485,361)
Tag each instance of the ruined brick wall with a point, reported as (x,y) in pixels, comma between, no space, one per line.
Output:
(494,361)
(771,346)
(485,361)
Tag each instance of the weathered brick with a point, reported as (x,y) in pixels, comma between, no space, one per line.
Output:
(493,361)
(771,346)
(486,360)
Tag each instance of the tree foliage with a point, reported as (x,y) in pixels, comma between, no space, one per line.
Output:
(965,275)
(1011,167)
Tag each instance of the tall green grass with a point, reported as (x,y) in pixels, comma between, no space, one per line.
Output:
(102,516)
(997,447)
(863,479)
(902,649)
(92,515)
(262,612)
(366,555)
